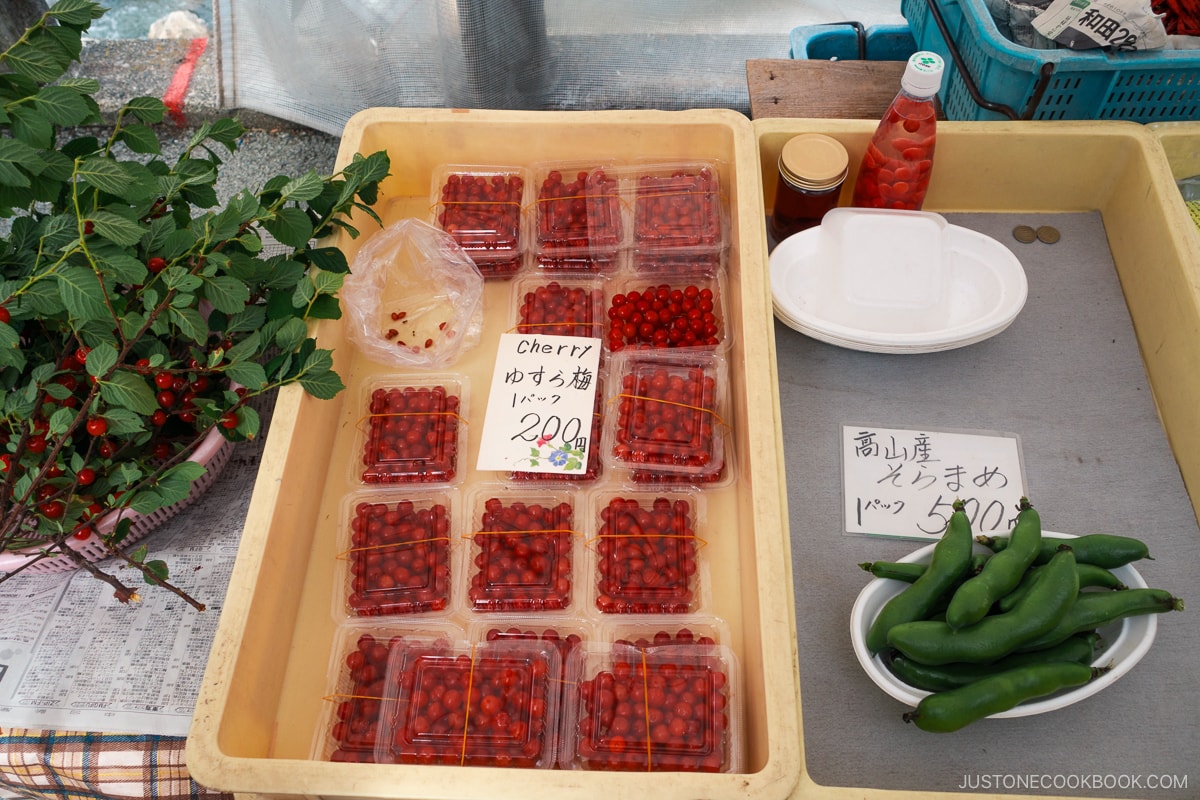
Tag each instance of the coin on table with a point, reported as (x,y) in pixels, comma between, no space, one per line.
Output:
(1024,234)
(1048,234)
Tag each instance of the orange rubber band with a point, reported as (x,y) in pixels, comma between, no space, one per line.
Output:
(462,758)
(715,415)
(346,553)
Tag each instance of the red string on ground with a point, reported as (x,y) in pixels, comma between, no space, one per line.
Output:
(177,90)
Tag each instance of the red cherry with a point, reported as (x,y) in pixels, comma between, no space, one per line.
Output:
(107,449)
(5,316)
(81,355)
(86,476)
(229,420)
(156,264)
(36,444)
(53,509)
(83,533)
(164,380)
(97,426)
(158,418)
(88,227)
(162,451)
(166,399)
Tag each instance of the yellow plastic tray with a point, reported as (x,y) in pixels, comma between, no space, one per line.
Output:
(262,695)
(1117,168)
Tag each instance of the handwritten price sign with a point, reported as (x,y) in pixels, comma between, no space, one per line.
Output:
(903,483)
(540,407)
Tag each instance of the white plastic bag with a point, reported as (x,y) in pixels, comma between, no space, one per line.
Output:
(413,297)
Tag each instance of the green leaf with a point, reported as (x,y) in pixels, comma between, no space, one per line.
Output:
(76,12)
(306,187)
(123,422)
(101,360)
(249,423)
(16,154)
(61,105)
(290,226)
(322,385)
(149,110)
(291,333)
(189,322)
(36,63)
(325,307)
(317,375)
(31,126)
(140,139)
(122,267)
(156,572)
(327,283)
(226,293)
(116,228)
(128,390)
(81,293)
(60,421)
(248,373)
(104,174)
(329,259)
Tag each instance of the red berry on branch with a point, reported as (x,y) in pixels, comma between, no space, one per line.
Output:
(229,420)
(5,316)
(107,449)
(164,380)
(166,399)
(53,509)
(97,426)
(86,476)
(156,264)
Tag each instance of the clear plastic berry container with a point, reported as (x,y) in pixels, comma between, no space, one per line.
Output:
(601,264)
(412,430)
(554,305)
(700,265)
(577,212)
(523,551)
(677,209)
(673,708)
(490,703)
(483,208)
(397,553)
(645,553)
(666,413)
(356,686)
(566,634)
(658,630)
(666,311)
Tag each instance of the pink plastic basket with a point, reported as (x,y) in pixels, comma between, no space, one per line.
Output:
(213,452)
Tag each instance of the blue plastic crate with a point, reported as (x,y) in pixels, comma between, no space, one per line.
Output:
(1015,82)
(841,41)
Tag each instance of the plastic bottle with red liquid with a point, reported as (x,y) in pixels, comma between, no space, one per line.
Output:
(895,169)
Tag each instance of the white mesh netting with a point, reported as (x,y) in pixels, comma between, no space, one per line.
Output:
(317,62)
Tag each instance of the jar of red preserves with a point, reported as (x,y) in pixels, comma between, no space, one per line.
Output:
(812,167)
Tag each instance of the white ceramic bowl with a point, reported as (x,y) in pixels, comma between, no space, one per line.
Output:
(1124,642)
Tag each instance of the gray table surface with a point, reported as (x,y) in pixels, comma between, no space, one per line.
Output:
(1067,377)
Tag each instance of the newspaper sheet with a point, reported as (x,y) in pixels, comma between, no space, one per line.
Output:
(74,658)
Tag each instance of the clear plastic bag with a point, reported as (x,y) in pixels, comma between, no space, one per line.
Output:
(413,298)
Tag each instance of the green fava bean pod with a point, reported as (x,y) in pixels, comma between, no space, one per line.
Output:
(1001,574)
(995,636)
(950,560)
(1102,549)
(1089,576)
(1080,648)
(945,712)
(1097,609)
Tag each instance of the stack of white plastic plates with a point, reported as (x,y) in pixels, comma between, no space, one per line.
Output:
(895,282)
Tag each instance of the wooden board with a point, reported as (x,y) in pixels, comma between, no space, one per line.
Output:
(830,89)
